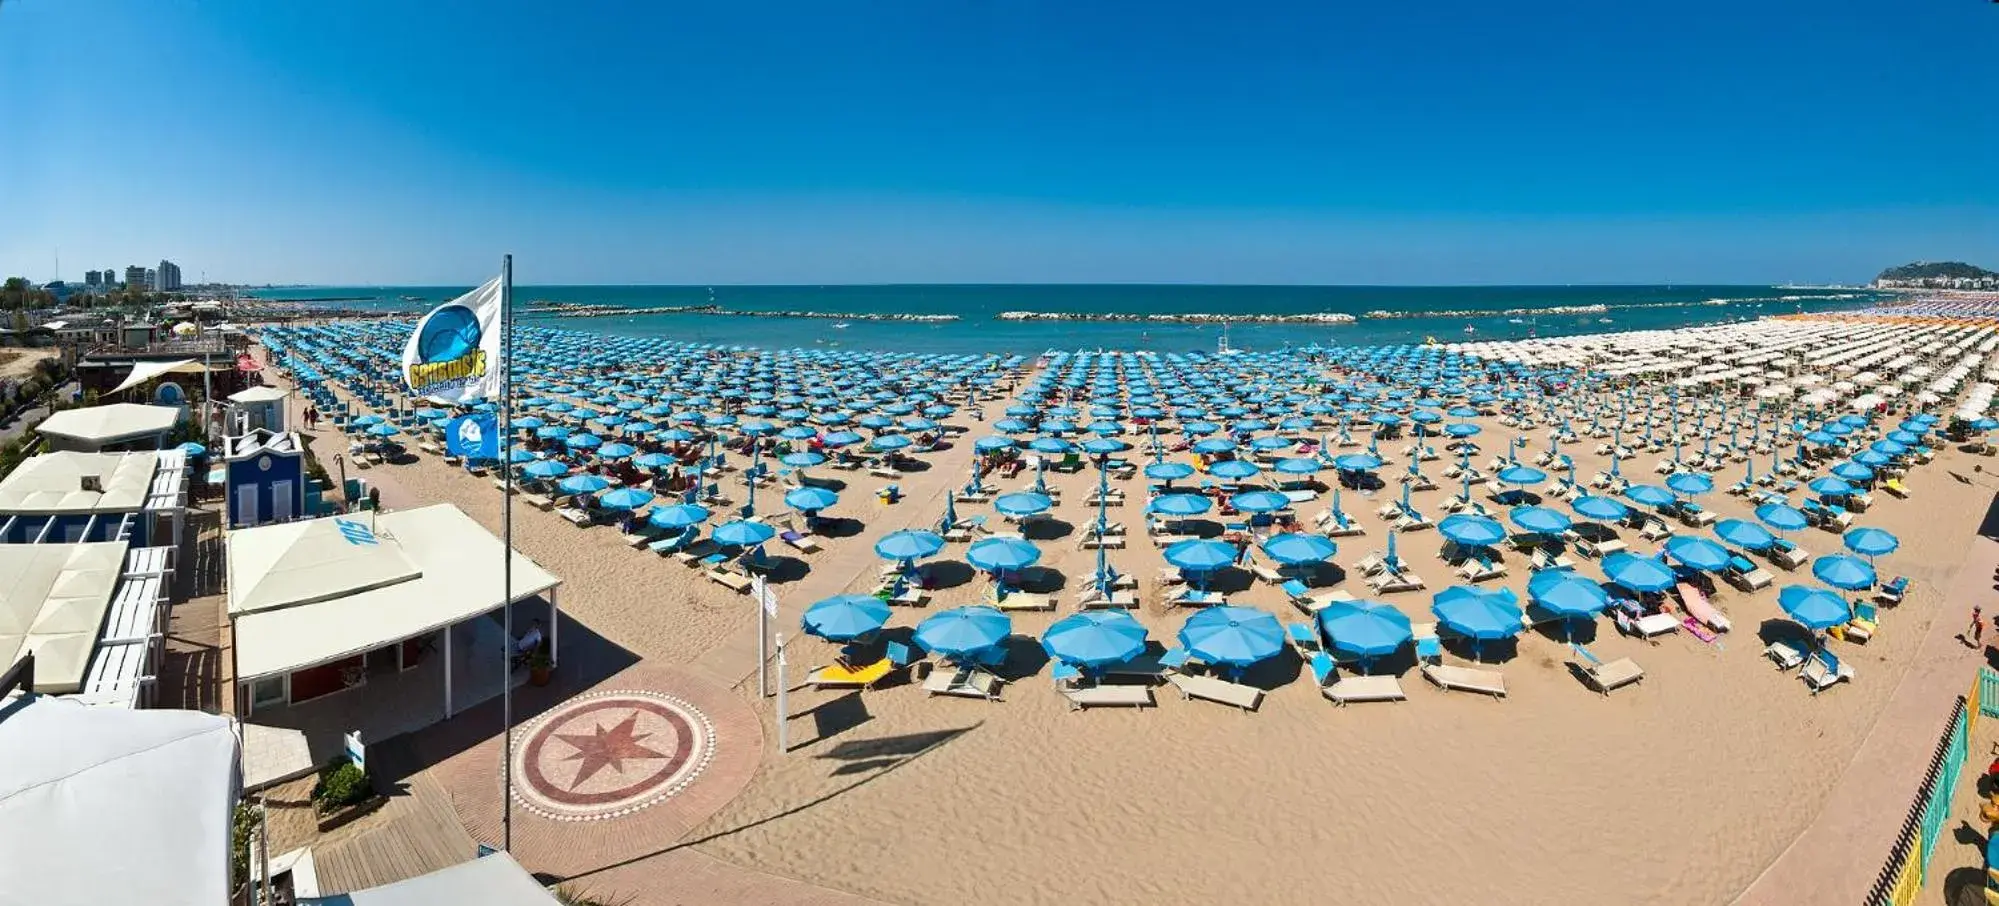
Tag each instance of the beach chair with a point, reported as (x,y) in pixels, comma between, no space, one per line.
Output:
(1304,639)
(1264,572)
(965,682)
(1655,530)
(1084,696)
(1861,628)
(1745,575)
(1892,593)
(1390,511)
(1700,609)
(1786,655)
(1300,595)
(1370,564)
(1479,569)
(1389,582)
(1823,671)
(1351,688)
(1412,521)
(842,676)
(798,542)
(1465,679)
(1219,691)
(1603,676)
(1788,554)
(1022,600)
(1894,486)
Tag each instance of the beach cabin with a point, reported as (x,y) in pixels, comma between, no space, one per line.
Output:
(68,497)
(91,616)
(110,428)
(382,623)
(264,478)
(258,408)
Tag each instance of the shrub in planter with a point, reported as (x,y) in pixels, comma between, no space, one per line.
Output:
(339,786)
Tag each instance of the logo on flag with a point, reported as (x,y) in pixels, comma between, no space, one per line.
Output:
(453,355)
(475,436)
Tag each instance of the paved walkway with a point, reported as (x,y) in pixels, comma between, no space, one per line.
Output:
(1838,856)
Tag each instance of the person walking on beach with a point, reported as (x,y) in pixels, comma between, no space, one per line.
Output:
(1976,636)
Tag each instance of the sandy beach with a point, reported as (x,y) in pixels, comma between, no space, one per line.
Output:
(1681,790)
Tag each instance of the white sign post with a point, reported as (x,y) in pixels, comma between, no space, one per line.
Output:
(782,745)
(767,608)
(356,752)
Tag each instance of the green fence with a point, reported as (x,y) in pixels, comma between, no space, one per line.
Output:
(1909,859)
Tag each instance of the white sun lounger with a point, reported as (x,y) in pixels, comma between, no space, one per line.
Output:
(1818,677)
(964,682)
(1216,690)
(1610,675)
(1124,695)
(1468,679)
(1350,689)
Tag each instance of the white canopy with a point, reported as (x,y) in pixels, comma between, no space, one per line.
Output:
(261,394)
(52,601)
(312,592)
(110,423)
(53,483)
(108,805)
(146,371)
(494,880)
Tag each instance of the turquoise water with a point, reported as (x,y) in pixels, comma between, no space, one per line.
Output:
(1440,310)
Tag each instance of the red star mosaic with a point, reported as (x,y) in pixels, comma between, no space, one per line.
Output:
(608,754)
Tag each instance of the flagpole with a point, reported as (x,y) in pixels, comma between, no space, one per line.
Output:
(507,543)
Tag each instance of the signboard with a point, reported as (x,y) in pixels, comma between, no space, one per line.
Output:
(356,752)
(764,595)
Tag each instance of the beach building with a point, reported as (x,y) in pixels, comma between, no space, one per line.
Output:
(90,615)
(100,805)
(71,497)
(260,407)
(265,477)
(384,624)
(110,428)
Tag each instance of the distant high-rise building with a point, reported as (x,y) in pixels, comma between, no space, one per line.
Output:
(169,281)
(93,279)
(152,283)
(110,278)
(135,277)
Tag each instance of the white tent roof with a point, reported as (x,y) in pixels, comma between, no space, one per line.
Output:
(146,371)
(262,394)
(494,880)
(108,805)
(53,483)
(111,423)
(52,603)
(306,593)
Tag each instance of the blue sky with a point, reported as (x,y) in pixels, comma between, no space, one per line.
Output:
(1313,142)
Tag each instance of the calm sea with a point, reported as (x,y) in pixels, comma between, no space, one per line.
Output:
(1446,313)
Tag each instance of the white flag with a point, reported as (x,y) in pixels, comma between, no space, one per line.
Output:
(453,355)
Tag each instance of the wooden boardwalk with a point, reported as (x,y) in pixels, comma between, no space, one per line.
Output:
(416,833)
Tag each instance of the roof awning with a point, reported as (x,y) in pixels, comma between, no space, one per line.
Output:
(146,371)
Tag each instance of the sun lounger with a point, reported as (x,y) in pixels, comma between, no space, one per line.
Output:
(1607,676)
(1411,522)
(1656,530)
(1093,598)
(1892,592)
(1467,679)
(1861,628)
(1302,597)
(1370,564)
(1746,575)
(1262,571)
(799,542)
(538,501)
(1220,691)
(1701,609)
(1390,510)
(1786,655)
(1894,486)
(1356,688)
(1106,696)
(1021,600)
(1788,555)
(730,579)
(1386,583)
(841,676)
(1655,624)
(1823,671)
(1189,596)
(966,682)
(1481,569)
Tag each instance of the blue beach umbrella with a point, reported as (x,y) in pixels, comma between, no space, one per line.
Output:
(1234,469)
(677,516)
(1603,509)
(1168,471)
(1842,571)
(909,544)
(1295,548)
(1648,495)
(615,451)
(1357,462)
(1022,503)
(1233,636)
(1201,554)
(1365,629)
(1478,613)
(1522,475)
(963,630)
(1828,486)
(382,430)
(624,499)
(1814,608)
(1094,638)
(1689,483)
(1564,593)
(582,441)
(803,459)
(582,484)
(1259,501)
(1539,519)
(1002,554)
(1296,465)
(1471,530)
(1642,574)
(843,618)
(742,533)
(1871,542)
(1697,552)
(1179,505)
(810,499)
(1744,534)
(1852,471)
(1782,517)
(653,460)
(991,443)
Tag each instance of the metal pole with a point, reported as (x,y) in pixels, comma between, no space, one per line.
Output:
(763,643)
(507,542)
(782,745)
